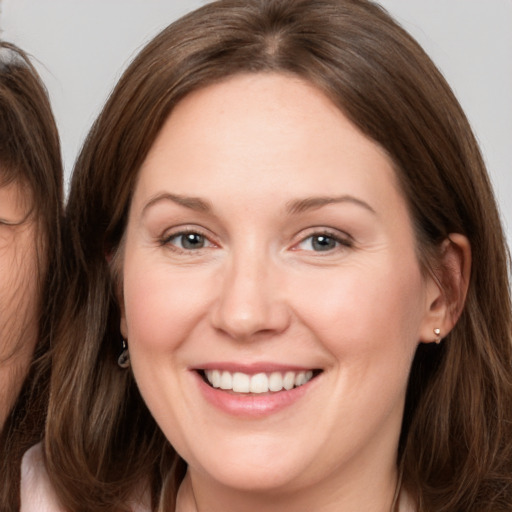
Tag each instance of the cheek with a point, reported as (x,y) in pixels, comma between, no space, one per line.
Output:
(162,305)
(368,319)
(364,308)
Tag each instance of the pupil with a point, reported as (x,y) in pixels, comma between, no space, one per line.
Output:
(192,241)
(323,243)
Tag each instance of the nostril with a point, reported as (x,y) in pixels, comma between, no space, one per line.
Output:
(251,322)
(250,302)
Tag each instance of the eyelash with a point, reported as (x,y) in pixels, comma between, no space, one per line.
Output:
(167,240)
(339,241)
(9,224)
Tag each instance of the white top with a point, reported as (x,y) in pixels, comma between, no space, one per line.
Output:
(37,494)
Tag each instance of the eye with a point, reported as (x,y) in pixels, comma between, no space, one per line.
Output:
(323,242)
(6,222)
(188,241)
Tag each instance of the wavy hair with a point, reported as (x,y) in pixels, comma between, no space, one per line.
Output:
(456,439)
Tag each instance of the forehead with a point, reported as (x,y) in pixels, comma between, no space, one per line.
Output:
(259,123)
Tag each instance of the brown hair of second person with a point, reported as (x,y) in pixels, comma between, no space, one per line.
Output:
(30,162)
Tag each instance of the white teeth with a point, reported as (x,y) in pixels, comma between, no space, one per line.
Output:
(226,381)
(215,378)
(300,379)
(289,380)
(241,382)
(275,381)
(258,383)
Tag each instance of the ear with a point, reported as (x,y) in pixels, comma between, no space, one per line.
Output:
(114,262)
(122,324)
(447,288)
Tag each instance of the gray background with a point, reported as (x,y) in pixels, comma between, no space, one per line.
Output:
(82,46)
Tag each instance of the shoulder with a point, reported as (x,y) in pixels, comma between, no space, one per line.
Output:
(405,503)
(37,494)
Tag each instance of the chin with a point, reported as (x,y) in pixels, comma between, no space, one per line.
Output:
(250,478)
(263,468)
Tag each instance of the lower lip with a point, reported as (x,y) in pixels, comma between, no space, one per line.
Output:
(251,405)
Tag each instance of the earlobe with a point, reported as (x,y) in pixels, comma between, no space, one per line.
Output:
(119,294)
(122,314)
(123,327)
(447,289)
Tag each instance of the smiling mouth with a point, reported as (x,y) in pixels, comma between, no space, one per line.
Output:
(257,383)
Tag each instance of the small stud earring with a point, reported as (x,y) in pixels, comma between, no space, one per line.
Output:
(437,332)
(124,359)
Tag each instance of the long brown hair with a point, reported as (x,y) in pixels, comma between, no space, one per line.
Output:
(456,442)
(30,157)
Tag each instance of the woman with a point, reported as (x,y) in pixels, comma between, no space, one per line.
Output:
(281,296)
(30,212)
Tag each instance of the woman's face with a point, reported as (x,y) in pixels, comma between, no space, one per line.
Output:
(272,298)
(18,292)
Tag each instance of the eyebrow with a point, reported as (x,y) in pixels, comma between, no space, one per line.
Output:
(193,203)
(313,203)
(293,207)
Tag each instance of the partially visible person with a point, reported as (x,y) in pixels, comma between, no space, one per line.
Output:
(30,250)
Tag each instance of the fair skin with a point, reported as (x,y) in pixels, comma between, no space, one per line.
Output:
(18,292)
(268,238)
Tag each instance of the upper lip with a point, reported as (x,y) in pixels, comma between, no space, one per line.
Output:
(252,368)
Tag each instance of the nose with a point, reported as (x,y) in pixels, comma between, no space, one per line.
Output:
(251,301)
